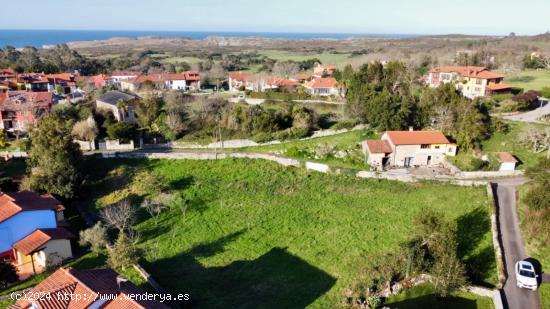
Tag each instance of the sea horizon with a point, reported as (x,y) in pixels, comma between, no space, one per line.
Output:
(19,38)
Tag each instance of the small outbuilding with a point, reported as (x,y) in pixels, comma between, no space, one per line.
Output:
(507,161)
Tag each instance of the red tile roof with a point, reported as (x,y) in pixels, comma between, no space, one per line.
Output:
(23,100)
(377,146)
(329,82)
(38,238)
(14,203)
(239,76)
(496,87)
(468,71)
(282,82)
(416,137)
(88,285)
(506,157)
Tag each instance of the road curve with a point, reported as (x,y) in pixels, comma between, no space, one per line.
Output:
(531,116)
(512,245)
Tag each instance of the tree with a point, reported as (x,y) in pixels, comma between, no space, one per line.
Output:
(120,130)
(85,130)
(54,158)
(434,249)
(2,138)
(95,237)
(285,69)
(157,205)
(8,274)
(537,138)
(148,111)
(120,216)
(123,253)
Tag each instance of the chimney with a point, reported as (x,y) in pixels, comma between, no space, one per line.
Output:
(411,129)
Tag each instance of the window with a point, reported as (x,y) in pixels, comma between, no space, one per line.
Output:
(437,147)
(450,149)
(425,146)
(479,81)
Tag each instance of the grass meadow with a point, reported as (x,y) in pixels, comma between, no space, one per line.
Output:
(530,80)
(252,234)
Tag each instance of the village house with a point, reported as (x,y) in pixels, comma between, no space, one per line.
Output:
(119,76)
(507,161)
(324,87)
(122,105)
(237,80)
(64,81)
(102,80)
(185,81)
(30,231)
(19,109)
(408,149)
(300,78)
(471,81)
(320,71)
(87,289)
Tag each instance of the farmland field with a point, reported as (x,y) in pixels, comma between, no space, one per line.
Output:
(530,80)
(254,234)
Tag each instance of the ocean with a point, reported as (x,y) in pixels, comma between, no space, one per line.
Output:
(40,38)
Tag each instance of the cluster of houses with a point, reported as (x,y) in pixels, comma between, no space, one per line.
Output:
(320,83)
(26,96)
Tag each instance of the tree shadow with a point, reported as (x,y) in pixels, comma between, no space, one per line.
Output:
(432,301)
(181,183)
(472,229)
(276,279)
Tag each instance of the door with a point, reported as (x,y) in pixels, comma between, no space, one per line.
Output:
(408,161)
(429,160)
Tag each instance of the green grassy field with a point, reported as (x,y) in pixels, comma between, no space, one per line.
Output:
(306,149)
(255,234)
(423,296)
(174,60)
(544,291)
(530,80)
(509,141)
(339,60)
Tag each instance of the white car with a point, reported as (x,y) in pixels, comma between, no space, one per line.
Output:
(526,276)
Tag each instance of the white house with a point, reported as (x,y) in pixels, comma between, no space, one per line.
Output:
(29,231)
(408,149)
(507,161)
(323,87)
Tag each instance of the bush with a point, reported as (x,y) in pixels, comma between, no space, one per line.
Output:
(538,198)
(292,133)
(477,164)
(262,137)
(346,124)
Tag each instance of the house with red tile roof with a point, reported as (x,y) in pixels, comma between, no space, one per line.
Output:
(19,109)
(471,81)
(31,232)
(238,80)
(93,289)
(102,80)
(323,70)
(408,149)
(327,86)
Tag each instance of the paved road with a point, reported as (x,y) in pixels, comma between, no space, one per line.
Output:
(531,116)
(512,245)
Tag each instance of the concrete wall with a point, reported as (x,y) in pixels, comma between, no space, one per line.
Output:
(85,145)
(56,251)
(116,145)
(507,166)
(323,168)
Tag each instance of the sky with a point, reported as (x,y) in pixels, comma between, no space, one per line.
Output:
(524,17)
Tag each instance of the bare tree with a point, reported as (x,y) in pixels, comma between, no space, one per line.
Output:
(537,138)
(120,216)
(285,68)
(157,205)
(174,121)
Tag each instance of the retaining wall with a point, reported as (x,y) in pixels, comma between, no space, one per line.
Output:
(323,168)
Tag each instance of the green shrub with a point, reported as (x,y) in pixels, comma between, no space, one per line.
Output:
(262,137)
(346,124)
(538,198)
(477,164)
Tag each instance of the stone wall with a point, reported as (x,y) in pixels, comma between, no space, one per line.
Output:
(116,145)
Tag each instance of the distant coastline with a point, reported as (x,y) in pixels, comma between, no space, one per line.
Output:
(40,38)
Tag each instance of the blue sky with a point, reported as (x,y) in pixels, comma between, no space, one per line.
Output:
(349,16)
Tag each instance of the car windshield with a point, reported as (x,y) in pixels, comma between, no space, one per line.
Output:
(526,273)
